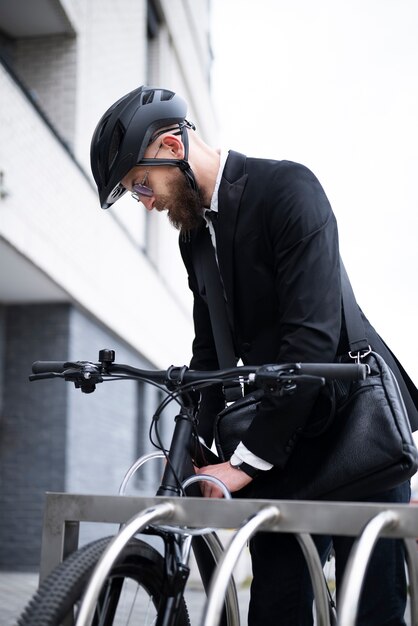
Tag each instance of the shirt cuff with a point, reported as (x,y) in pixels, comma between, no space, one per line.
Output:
(243,454)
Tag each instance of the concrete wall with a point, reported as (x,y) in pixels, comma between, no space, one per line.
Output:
(75,279)
(32,429)
(54,219)
(48,67)
(53,437)
(57,225)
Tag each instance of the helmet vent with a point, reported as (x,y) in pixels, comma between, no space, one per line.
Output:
(166,95)
(117,192)
(115,141)
(103,127)
(148,97)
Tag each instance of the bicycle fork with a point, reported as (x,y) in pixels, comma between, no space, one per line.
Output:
(177,547)
(177,552)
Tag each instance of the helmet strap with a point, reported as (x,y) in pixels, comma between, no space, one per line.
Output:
(183,164)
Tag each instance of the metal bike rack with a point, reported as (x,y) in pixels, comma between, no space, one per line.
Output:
(412,563)
(162,511)
(357,566)
(317,577)
(263,519)
(114,548)
(367,521)
(223,572)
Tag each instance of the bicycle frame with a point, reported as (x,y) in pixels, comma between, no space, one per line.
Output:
(206,548)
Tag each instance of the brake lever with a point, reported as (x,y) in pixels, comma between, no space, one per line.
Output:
(284,382)
(84,375)
(45,375)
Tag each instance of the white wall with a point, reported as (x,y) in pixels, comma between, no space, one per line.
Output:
(52,215)
(333,84)
(58,226)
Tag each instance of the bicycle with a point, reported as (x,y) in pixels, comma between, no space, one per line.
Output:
(161,578)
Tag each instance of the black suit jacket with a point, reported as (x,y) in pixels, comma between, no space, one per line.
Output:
(278,254)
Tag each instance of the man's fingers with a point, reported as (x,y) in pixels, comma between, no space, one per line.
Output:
(211,491)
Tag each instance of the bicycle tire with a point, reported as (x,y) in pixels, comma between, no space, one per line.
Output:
(62,590)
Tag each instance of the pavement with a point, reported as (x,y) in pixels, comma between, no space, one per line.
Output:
(16,589)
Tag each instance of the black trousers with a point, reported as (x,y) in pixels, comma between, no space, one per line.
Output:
(281,592)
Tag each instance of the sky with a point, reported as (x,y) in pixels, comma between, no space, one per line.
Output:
(333,84)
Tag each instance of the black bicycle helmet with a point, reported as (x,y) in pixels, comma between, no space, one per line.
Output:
(124,133)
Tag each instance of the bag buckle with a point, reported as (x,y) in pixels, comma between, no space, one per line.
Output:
(361,354)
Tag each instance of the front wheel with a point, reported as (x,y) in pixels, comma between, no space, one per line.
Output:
(131,595)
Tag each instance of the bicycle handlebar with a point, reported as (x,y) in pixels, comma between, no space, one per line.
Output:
(85,374)
(47,367)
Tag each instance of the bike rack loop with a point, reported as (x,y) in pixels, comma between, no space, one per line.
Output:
(357,565)
(316,573)
(411,555)
(223,572)
(109,556)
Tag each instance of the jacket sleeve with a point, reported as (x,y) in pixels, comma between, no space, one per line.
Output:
(303,239)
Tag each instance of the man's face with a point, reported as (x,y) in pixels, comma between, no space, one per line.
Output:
(183,204)
(171,193)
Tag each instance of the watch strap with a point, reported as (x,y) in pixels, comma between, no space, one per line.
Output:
(248,469)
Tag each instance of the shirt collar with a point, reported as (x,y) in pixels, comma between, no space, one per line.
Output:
(214,199)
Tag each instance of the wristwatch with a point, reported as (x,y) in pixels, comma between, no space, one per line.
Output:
(245,467)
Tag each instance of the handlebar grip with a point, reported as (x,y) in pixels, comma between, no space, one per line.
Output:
(42,367)
(342,371)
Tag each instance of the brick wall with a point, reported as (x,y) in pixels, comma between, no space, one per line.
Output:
(109,416)
(32,429)
(2,338)
(55,438)
(48,67)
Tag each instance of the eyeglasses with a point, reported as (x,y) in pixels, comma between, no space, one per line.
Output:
(141,189)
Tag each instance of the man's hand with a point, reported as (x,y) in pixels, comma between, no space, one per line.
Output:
(233,478)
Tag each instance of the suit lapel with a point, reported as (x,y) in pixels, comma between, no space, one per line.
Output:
(197,259)
(229,198)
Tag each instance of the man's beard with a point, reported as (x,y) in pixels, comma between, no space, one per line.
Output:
(184,204)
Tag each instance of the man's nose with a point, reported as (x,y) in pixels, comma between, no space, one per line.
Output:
(148,202)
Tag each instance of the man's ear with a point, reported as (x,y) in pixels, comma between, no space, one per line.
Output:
(174,146)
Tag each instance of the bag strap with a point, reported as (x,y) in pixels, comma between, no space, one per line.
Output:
(217,311)
(221,329)
(356,331)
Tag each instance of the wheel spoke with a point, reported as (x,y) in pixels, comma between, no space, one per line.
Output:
(150,605)
(135,606)
(132,606)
